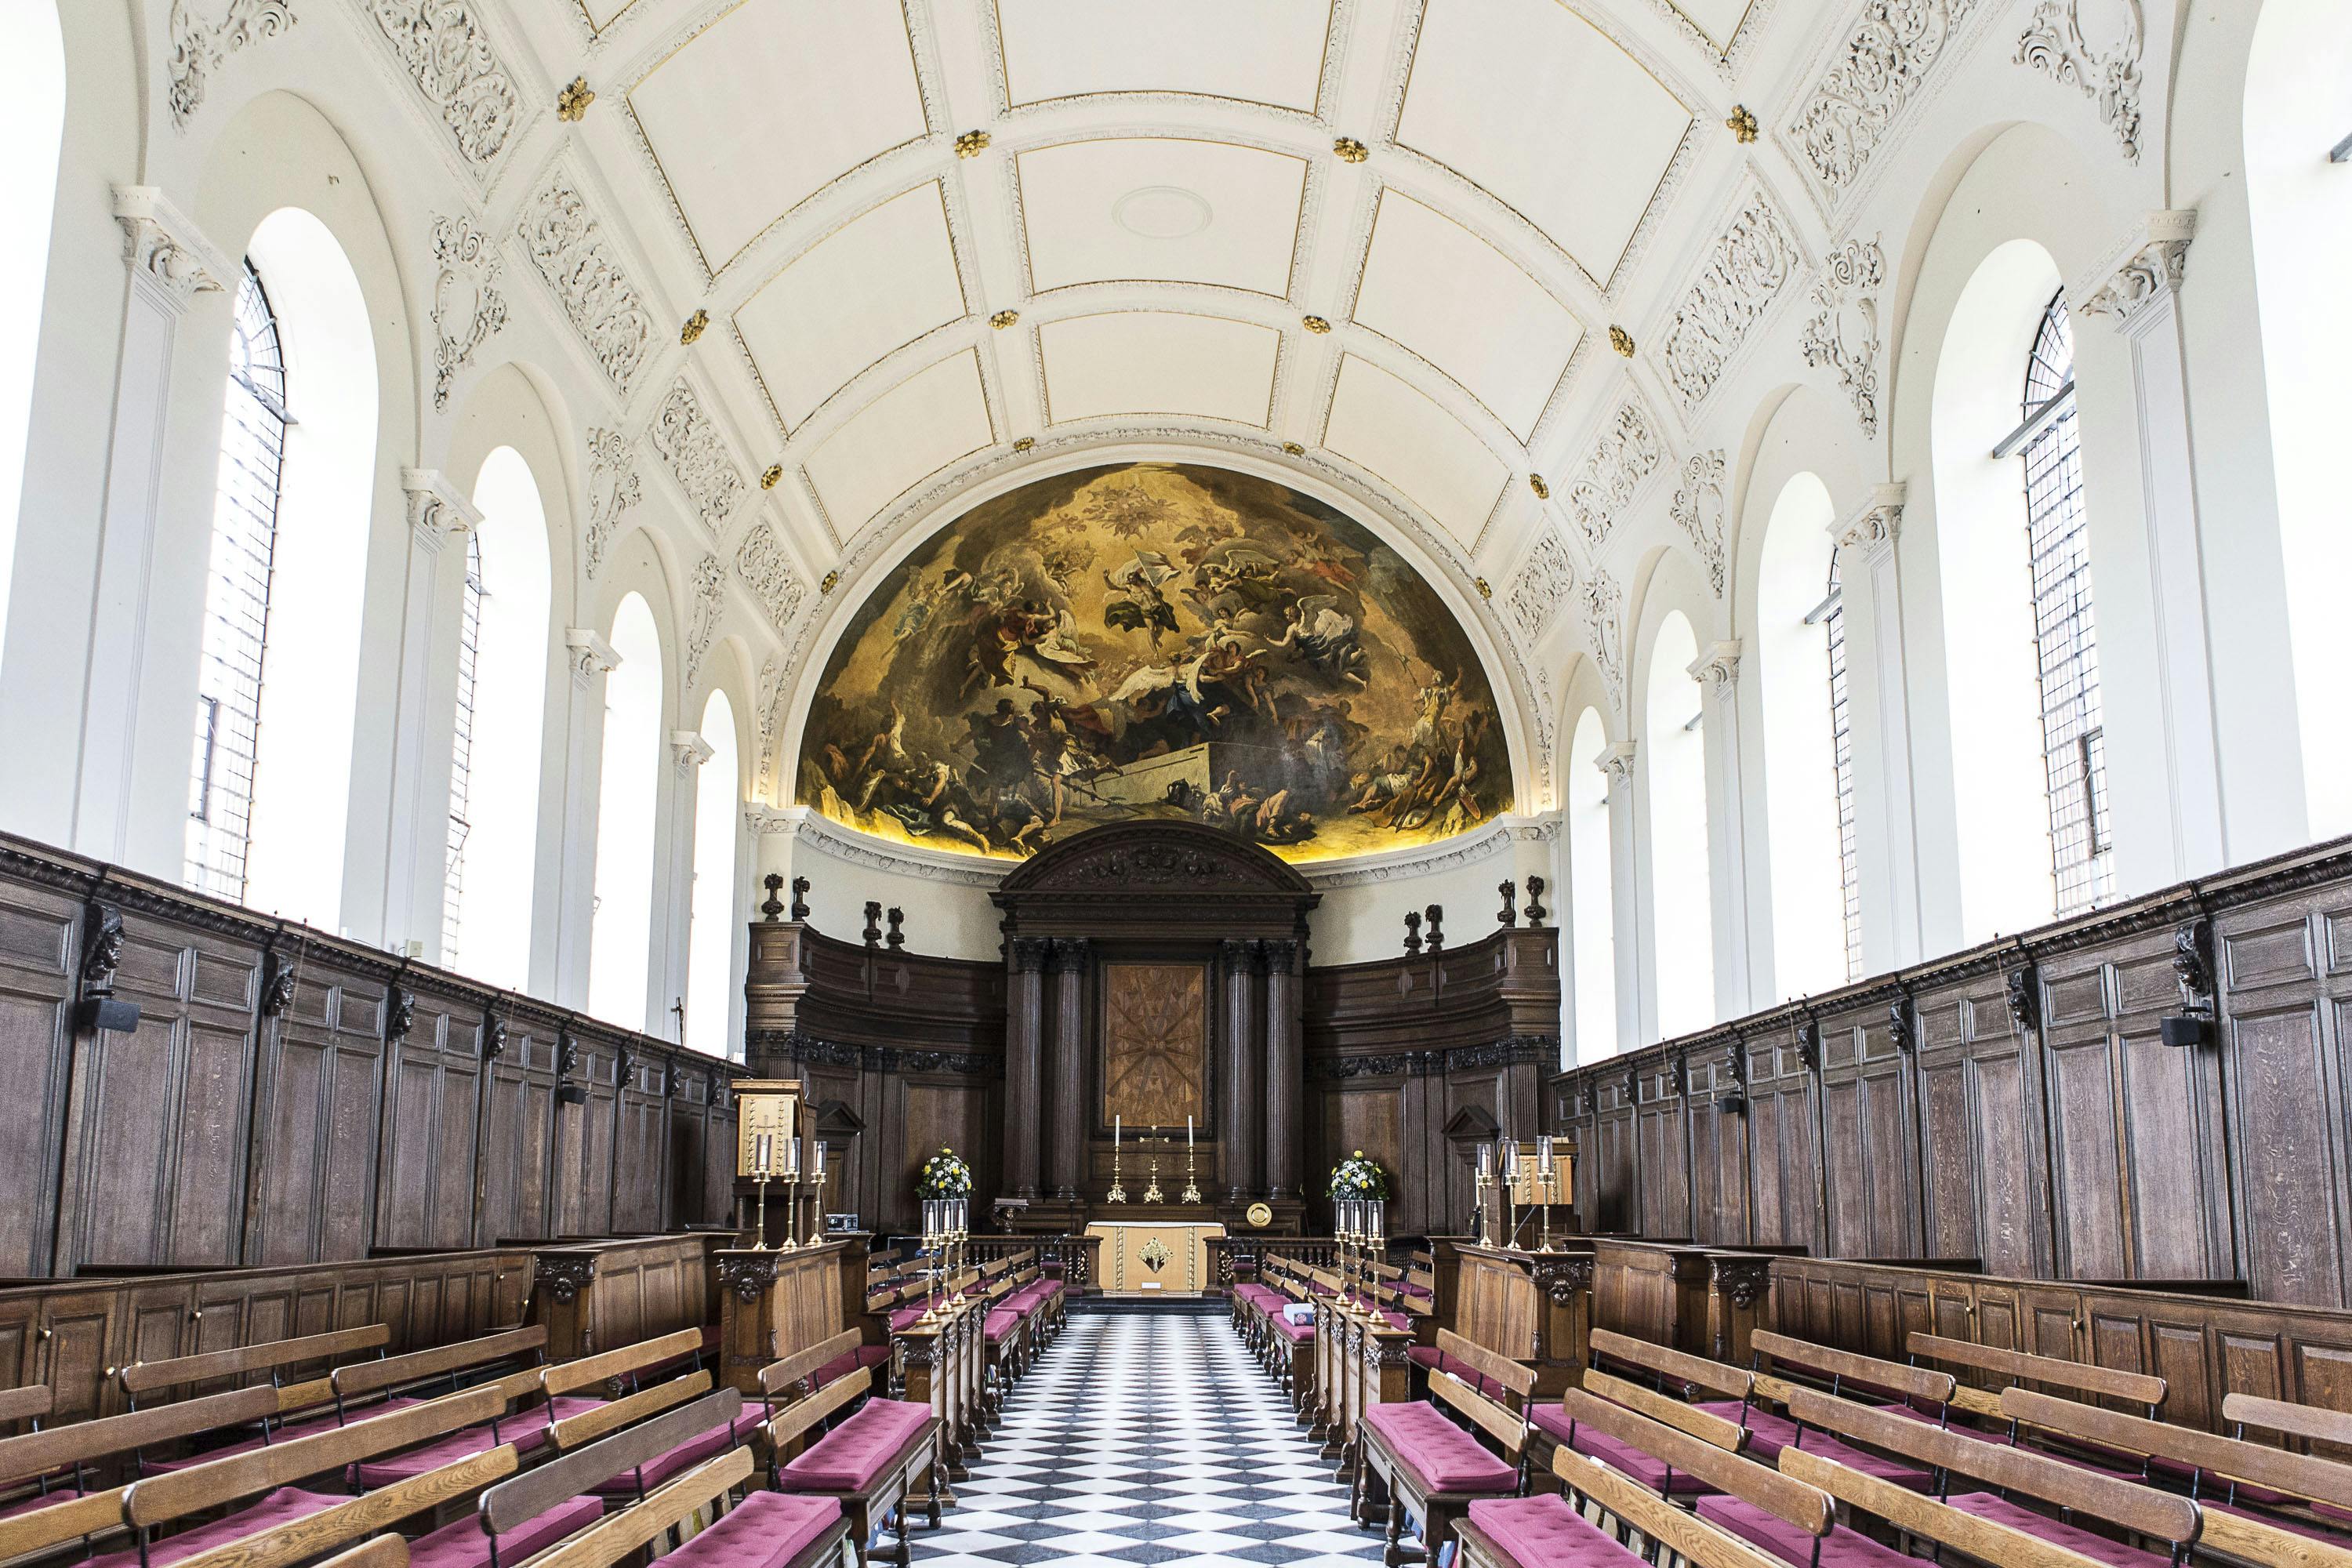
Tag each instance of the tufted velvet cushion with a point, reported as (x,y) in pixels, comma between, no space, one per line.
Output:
(1545,1533)
(1624,1458)
(2098,1548)
(1296,1333)
(1430,1358)
(906,1318)
(684,1456)
(274,1511)
(1445,1457)
(465,1544)
(1840,1548)
(1259,1295)
(309,1426)
(854,1455)
(1002,1325)
(766,1530)
(526,1429)
(843,1365)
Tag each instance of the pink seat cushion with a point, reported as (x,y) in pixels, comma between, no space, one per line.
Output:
(1430,1358)
(843,1365)
(1296,1333)
(1445,1457)
(1545,1533)
(2098,1548)
(58,1493)
(274,1511)
(905,1317)
(465,1544)
(1622,1457)
(1001,1326)
(1768,1434)
(1396,1319)
(1840,1548)
(853,1456)
(526,1429)
(766,1530)
(1258,1295)
(686,1455)
(309,1426)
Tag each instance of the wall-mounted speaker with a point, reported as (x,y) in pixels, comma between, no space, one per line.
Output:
(2185,1032)
(95,1012)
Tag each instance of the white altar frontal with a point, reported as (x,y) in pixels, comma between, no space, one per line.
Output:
(1146,1257)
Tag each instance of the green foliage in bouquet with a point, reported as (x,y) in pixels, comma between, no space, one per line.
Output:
(1356,1177)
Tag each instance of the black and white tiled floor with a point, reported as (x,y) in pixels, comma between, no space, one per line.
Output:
(1147,1437)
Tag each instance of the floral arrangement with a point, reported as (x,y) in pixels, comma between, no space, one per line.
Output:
(1356,1177)
(944,1176)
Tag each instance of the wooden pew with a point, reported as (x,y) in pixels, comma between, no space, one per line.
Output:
(799,1531)
(80,1507)
(1433,1468)
(275,1358)
(2017,1366)
(870,1463)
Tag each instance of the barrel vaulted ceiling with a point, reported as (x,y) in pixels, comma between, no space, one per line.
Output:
(1479,263)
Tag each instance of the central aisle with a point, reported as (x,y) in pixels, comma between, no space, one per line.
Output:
(1147,1437)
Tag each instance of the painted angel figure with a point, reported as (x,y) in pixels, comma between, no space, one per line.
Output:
(1136,604)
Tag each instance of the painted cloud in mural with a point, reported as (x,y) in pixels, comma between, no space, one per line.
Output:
(1155,641)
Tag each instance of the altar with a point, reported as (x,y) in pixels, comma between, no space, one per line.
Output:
(1153,1258)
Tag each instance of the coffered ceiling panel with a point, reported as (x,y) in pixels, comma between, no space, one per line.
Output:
(1161,209)
(1149,362)
(911,431)
(1395,430)
(1539,108)
(1063,48)
(760,109)
(1450,297)
(868,288)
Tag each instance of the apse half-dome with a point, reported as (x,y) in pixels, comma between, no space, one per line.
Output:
(1155,641)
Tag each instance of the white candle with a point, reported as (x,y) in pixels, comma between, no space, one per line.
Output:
(1188,1132)
(1114,1132)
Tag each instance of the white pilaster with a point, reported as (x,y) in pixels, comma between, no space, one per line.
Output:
(1885,819)
(592,658)
(1637,1005)
(1716,670)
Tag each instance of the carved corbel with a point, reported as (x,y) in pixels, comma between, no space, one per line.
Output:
(2025,999)
(1564,1280)
(1809,1044)
(2145,269)
(101,949)
(438,509)
(167,251)
(1742,1281)
(748,1274)
(278,989)
(591,655)
(565,1276)
(1903,1025)
(2192,966)
(494,1039)
(399,1014)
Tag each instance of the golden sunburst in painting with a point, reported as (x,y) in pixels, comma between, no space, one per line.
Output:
(1155,641)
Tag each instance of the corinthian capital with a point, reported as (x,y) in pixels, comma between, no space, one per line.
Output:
(1874,525)
(435,507)
(2144,267)
(1616,764)
(161,246)
(1717,668)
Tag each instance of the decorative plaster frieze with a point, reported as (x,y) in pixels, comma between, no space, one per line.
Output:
(1627,452)
(1616,764)
(2056,44)
(688,750)
(613,489)
(709,598)
(1604,632)
(467,311)
(1543,581)
(770,718)
(161,246)
(1406,865)
(1744,272)
(2146,267)
(579,266)
(683,432)
(1877,524)
(765,819)
(856,848)
(1885,61)
(442,44)
(201,45)
(591,655)
(1845,294)
(1698,512)
(436,508)
(761,561)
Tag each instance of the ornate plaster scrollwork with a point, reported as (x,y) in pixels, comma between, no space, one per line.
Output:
(1745,273)
(759,561)
(1626,453)
(1717,668)
(689,749)
(683,432)
(466,310)
(2149,266)
(613,489)
(1894,46)
(709,598)
(160,245)
(1877,524)
(1845,294)
(568,246)
(443,47)
(592,655)
(436,509)
(1543,581)
(771,718)
(1604,632)
(1698,512)
(200,46)
(2056,44)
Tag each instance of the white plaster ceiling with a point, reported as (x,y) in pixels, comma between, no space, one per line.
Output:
(1384,240)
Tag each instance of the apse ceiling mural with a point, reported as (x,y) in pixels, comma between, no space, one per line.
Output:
(1155,641)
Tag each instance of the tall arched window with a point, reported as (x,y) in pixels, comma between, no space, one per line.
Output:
(1674,751)
(2065,638)
(237,598)
(32,126)
(1842,769)
(1808,792)
(710,941)
(620,942)
(494,780)
(1591,891)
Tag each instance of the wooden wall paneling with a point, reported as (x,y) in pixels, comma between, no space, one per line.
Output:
(2174,1159)
(942,1112)
(2079,1056)
(1719,1144)
(518,1132)
(1844,1164)
(2014,1224)
(316,1116)
(1665,1153)
(1783,1132)
(432,1121)
(641,1150)
(40,948)
(1870,1135)
(687,1139)
(1942,1081)
(1615,1156)
(583,1142)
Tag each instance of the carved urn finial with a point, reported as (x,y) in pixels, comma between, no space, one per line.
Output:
(772,908)
(1436,916)
(873,932)
(799,898)
(898,937)
(1413,930)
(1536,911)
(1508,915)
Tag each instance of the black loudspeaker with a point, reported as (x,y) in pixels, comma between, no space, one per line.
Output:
(1732,1105)
(572,1094)
(2185,1032)
(95,1012)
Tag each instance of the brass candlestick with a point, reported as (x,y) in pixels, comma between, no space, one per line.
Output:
(1151,1189)
(1191,1193)
(1117,1193)
(761,1218)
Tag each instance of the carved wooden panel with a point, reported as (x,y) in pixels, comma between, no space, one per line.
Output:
(1155,1043)
(315,1115)
(40,942)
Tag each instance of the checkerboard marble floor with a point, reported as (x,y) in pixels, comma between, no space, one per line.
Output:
(1147,1437)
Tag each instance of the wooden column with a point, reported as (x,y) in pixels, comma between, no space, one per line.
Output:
(1024,1068)
(1070,956)
(1285,1069)
(1240,1126)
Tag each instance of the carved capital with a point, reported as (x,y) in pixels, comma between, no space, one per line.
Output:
(748,1274)
(1616,764)
(436,510)
(689,749)
(563,1276)
(1875,525)
(591,655)
(2145,269)
(167,251)
(1030,953)
(1717,668)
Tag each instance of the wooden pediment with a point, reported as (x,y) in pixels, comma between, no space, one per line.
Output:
(1161,857)
(1472,1125)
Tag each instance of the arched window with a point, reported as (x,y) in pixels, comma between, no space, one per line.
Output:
(1591,892)
(494,779)
(32,126)
(1842,768)
(710,941)
(620,940)
(1674,751)
(237,598)
(2065,638)
(1809,791)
